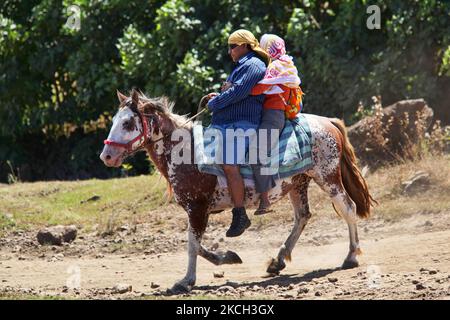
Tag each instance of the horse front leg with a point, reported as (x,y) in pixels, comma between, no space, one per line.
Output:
(197,226)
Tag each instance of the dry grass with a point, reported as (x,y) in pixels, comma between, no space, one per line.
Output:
(136,200)
(99,204)
(385,185)
(399,138)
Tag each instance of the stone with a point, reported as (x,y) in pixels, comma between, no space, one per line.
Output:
(419,181)
(373,153)
(303,290)
(420,286)
(154,285)
(121,288)
(227,289)
(57,235)
(218,274)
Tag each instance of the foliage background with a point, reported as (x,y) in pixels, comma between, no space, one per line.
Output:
(57,86)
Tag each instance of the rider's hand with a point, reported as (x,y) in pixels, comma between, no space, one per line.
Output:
(211,95)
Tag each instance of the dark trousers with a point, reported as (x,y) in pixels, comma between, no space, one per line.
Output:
(271,119)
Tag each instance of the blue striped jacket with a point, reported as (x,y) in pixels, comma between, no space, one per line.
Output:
(236,103)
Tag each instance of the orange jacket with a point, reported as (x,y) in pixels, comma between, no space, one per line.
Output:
(272,101)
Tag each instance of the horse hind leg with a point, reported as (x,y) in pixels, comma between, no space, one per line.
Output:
(346,208)
(299,200)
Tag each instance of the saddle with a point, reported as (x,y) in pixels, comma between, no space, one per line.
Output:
(294,154)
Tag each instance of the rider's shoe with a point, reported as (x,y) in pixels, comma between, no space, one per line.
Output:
(239,223)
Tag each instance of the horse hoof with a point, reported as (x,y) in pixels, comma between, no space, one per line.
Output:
(350,264)
(232,258)
(275,266)
(179,288)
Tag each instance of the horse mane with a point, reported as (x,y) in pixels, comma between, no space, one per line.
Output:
(164,107)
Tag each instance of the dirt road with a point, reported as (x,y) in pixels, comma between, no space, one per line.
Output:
(406,259)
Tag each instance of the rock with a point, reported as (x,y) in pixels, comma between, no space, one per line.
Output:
(303,290)
(318,294)
(433,271)
(382,138)
(215,246)
(218,274)
(121,288)
(420,286)
(333,280)
(339,292)
(56,235)
(154,285)
(227,289)
(428,223)
(418,182)
(93,198)
(232,284)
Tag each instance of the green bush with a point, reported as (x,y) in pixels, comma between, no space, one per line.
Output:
(55,82)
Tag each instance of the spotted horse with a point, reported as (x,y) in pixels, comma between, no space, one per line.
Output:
(148,123)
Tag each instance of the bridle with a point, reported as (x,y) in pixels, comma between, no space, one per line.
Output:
(143,136)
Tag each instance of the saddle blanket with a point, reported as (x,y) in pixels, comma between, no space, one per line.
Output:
(293,157)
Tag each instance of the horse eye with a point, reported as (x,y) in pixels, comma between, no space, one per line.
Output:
(129,125)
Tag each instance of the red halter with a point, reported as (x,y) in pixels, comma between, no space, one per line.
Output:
(129,146)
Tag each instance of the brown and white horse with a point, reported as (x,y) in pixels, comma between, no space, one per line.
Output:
(143,123)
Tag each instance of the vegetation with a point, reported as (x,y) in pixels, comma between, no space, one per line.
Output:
(57,84)
(105,206)
(91,204)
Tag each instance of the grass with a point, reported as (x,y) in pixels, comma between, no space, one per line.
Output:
(385,185)
(87,204)
(134,200)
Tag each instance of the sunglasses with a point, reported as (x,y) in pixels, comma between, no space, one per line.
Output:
(232,46)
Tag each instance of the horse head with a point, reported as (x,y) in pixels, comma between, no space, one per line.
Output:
(131,130)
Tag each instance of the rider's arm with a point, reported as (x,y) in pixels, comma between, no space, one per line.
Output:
(260,88)
(241,88)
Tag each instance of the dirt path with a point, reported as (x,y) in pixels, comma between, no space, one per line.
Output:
(408,259)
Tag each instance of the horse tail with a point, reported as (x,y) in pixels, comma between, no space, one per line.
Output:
(354,182)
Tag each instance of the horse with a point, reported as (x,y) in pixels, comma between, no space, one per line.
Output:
(143,123)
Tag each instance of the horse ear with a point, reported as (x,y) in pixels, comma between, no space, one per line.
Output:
(121,96)
(135,97)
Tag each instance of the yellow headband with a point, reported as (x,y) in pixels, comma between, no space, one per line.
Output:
(243,36)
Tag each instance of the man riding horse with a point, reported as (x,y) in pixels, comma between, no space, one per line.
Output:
(234,108)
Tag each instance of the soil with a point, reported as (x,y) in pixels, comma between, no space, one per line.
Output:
(404,259)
